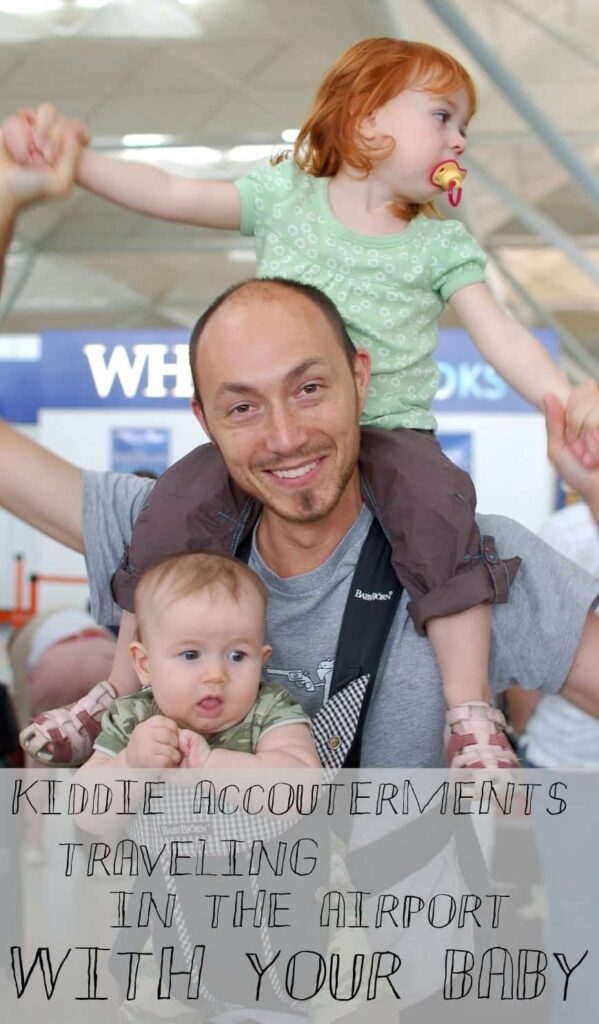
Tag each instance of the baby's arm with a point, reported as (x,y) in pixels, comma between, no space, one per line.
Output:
(287,746)
(522,360)
(153,744)
(137,186)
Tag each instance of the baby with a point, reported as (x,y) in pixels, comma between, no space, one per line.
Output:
(198,654)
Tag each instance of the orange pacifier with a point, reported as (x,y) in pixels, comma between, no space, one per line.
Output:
(448,175)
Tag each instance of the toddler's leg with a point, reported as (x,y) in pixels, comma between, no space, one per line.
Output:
(452,574)
(475,733)
(65,736)
(462,643)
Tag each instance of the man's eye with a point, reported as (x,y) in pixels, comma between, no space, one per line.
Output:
(240,410)
(190,655)
(237,656)
(312,388)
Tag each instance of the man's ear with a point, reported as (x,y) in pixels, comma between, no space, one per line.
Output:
(139,656)
(198,412)
(362,368)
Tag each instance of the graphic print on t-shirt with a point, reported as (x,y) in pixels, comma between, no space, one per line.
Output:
(299,679)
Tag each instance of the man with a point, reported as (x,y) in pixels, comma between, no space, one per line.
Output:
(285,418)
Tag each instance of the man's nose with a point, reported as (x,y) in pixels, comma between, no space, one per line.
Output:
(285,430)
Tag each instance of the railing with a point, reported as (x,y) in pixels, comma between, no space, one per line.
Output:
(21,613)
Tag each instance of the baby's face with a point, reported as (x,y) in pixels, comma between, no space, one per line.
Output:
(203,657)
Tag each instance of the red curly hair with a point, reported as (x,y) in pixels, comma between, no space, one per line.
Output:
(363,79)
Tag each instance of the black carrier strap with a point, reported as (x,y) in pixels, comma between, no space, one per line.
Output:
(244,550)
(369,611)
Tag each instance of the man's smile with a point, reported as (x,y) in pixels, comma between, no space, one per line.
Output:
(293,475)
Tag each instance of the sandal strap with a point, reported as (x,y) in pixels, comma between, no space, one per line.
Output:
(475,737)
(71,730)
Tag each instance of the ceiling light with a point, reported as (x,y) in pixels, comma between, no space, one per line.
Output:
(290,134)
(195,156)
(30,6)
(184,156)
(90,5)
(150,139)
(132,19)
(246,154)
(241,255)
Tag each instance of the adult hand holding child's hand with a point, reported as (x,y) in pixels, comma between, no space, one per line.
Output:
(154,744)
(582,423)
(36,137)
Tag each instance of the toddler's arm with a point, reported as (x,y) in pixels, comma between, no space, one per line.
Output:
(137,186)
(522,360)
(149,190)
(514,352)
(287,746)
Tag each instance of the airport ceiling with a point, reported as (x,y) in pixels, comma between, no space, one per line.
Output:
(225,74)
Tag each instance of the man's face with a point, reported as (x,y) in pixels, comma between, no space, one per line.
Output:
(282,403)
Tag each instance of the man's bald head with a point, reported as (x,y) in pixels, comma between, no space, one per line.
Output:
(267,290)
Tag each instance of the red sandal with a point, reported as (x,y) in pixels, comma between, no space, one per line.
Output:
(70,731)
(475,737)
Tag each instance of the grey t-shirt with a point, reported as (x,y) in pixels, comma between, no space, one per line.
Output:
(535,635)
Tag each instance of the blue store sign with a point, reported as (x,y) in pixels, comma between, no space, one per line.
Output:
(148,369)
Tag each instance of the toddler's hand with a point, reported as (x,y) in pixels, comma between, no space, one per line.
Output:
(589,449)
(50,128)
(36,138)
(154,744)
(582,411)
(193,748)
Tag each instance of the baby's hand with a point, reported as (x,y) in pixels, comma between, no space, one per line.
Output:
(193,748)
(154,744)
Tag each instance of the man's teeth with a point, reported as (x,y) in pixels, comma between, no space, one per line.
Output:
(290,474)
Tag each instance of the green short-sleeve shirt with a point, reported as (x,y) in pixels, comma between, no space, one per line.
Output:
(390,290)
(273,707)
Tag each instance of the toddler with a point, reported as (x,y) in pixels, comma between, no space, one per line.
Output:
(198,656)
(351,213)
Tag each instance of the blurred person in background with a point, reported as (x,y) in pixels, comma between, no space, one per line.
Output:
(551,732)
(56,659)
